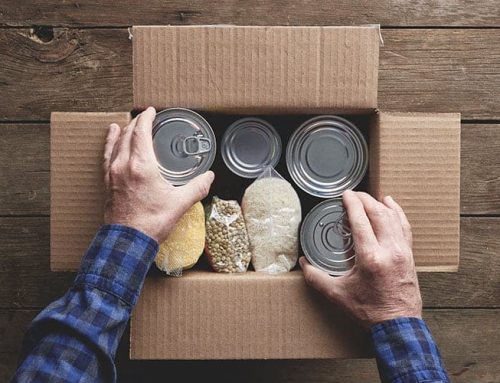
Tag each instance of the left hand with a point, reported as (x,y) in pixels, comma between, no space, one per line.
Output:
(137,195)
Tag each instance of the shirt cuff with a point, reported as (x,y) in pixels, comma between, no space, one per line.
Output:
(117,262)
(406,352)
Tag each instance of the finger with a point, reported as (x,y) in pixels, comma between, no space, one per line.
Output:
(320,281)
(142,139)
(194,191)
(122,148)
(390,203)
(362,233)
(111,140)
(385,224)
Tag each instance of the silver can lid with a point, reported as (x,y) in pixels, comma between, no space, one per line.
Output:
(326,239)
(184,144)
(249,145)
(327,155)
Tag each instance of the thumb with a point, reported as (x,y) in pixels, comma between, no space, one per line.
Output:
(321,281)
(195,190)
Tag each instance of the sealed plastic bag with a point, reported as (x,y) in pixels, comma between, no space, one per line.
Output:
(184,246)
(272,212)
(227,245)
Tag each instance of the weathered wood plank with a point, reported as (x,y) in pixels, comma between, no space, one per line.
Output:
(480,169)
(431,70)
(25,274)
(24,169)
(76,71)
(27,281)
(460,334)
(259,12)
(445,70)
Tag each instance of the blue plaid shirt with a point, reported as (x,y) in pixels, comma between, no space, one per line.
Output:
(75,338)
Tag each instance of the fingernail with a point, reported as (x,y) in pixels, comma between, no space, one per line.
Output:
(301,262)
(152,109)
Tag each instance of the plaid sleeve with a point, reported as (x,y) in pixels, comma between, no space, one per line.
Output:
(75,338)
(407,353)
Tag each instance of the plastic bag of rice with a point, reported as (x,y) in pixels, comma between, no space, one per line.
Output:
(272,212)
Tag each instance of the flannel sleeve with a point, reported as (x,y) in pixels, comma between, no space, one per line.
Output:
(407,353)
(75,338)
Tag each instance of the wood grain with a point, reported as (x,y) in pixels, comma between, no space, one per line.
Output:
(460,335)
(431,70)
(27,281)
(480,169)
(78,70)
(259,12)
(25,166)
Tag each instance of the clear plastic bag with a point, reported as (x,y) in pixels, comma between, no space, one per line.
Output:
(184,245)
(227,246)
(272,212)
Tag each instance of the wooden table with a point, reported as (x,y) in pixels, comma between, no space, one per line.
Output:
(438,57)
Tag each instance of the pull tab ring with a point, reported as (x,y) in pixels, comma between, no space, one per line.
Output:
(203,145)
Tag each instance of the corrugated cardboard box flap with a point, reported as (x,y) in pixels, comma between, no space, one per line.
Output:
(415,158)
(256,69)
(206,315)
(76,185)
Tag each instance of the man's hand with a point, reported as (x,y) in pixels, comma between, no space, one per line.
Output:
(137,195)
(383,283)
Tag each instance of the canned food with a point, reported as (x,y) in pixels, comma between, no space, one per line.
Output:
(327,155)
(249,145)
(326,239)
(184,144)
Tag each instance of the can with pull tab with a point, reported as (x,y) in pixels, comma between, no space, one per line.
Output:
(326,239)
(184,144)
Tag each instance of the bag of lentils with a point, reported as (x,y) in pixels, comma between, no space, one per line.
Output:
(272,212)
(227,245)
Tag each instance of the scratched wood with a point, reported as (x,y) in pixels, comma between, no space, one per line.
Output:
(260,12)
(430,70)
(461,335)
(448,68)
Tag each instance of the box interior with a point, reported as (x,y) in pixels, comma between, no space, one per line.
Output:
(230,186)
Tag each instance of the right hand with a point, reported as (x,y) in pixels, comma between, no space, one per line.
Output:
(383,283)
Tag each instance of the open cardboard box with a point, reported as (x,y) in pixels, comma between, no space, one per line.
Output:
(259,70)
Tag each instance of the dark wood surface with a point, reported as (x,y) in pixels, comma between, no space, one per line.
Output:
(76,55)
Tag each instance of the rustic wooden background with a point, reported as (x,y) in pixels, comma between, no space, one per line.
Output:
(75,55)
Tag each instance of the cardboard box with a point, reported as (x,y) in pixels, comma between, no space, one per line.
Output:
(256,70)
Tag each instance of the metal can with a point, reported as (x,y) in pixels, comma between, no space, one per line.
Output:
(327,155)
(326,239)
(184,144)
(249,145)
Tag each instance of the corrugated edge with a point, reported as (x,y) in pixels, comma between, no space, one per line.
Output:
(71,117)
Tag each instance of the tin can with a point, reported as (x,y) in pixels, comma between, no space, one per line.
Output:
(327,155)
(326,239)
(184,144)
(249,145)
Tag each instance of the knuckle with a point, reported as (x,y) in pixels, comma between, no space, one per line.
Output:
(202,190)
(115,170)
(375,265)
(380,212)
(309,277)
(136,168)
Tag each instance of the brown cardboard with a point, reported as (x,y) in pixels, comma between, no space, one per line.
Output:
(206,315)
(76,183)
(415,158)
(256,69)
